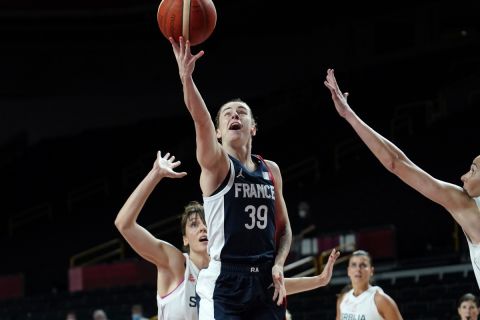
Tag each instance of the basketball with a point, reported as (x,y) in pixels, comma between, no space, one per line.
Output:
(195,20)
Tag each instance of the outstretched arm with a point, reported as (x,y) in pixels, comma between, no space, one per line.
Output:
(296,285)
(450,196)
(210,155)
(142,241)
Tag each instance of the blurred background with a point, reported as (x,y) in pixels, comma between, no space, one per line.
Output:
(89,91)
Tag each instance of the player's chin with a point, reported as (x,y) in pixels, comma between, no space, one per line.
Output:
(201,246)
(468,192)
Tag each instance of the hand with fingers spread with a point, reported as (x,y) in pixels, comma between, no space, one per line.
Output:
(339,98)
(164,166)
(279,284)
(175,269)
(461,201)
(185,59)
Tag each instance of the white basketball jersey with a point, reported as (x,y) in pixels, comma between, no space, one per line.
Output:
(181,303)
(362,307)
(475,252)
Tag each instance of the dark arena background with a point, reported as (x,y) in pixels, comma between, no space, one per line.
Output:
(89,91)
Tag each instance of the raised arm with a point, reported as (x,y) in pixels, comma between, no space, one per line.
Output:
(210,155)
(301,284)
(450,196)
(159,252)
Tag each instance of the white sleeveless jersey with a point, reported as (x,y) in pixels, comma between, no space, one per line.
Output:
(475,252)
(362,307)
(181,303)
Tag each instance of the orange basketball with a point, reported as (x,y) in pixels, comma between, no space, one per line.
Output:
(194,19)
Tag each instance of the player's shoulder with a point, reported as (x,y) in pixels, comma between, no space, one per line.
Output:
(272,164)
(376,288)
(383,298)
(341,296)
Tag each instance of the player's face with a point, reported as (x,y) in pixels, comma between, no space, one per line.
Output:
(468,310)
(471,179)
(196,234)
(359,270)
(235,123)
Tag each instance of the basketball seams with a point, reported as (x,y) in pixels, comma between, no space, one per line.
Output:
(192,19)
(187,5)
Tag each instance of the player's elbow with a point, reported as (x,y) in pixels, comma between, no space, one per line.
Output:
(390,164)
(393,162)
(120,224)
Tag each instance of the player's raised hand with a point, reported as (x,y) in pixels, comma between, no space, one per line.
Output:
(339,98)
(327,272)
(165,166)
(185,59)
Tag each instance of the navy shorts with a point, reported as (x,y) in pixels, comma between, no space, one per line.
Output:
(235,292)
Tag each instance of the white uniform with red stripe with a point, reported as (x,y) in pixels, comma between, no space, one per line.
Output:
(181,303)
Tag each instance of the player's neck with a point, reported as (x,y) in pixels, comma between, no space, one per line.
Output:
(360,288)
(243,155)
(200,260)
(238,149)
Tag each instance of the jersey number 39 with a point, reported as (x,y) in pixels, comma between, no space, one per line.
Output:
(258,217)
